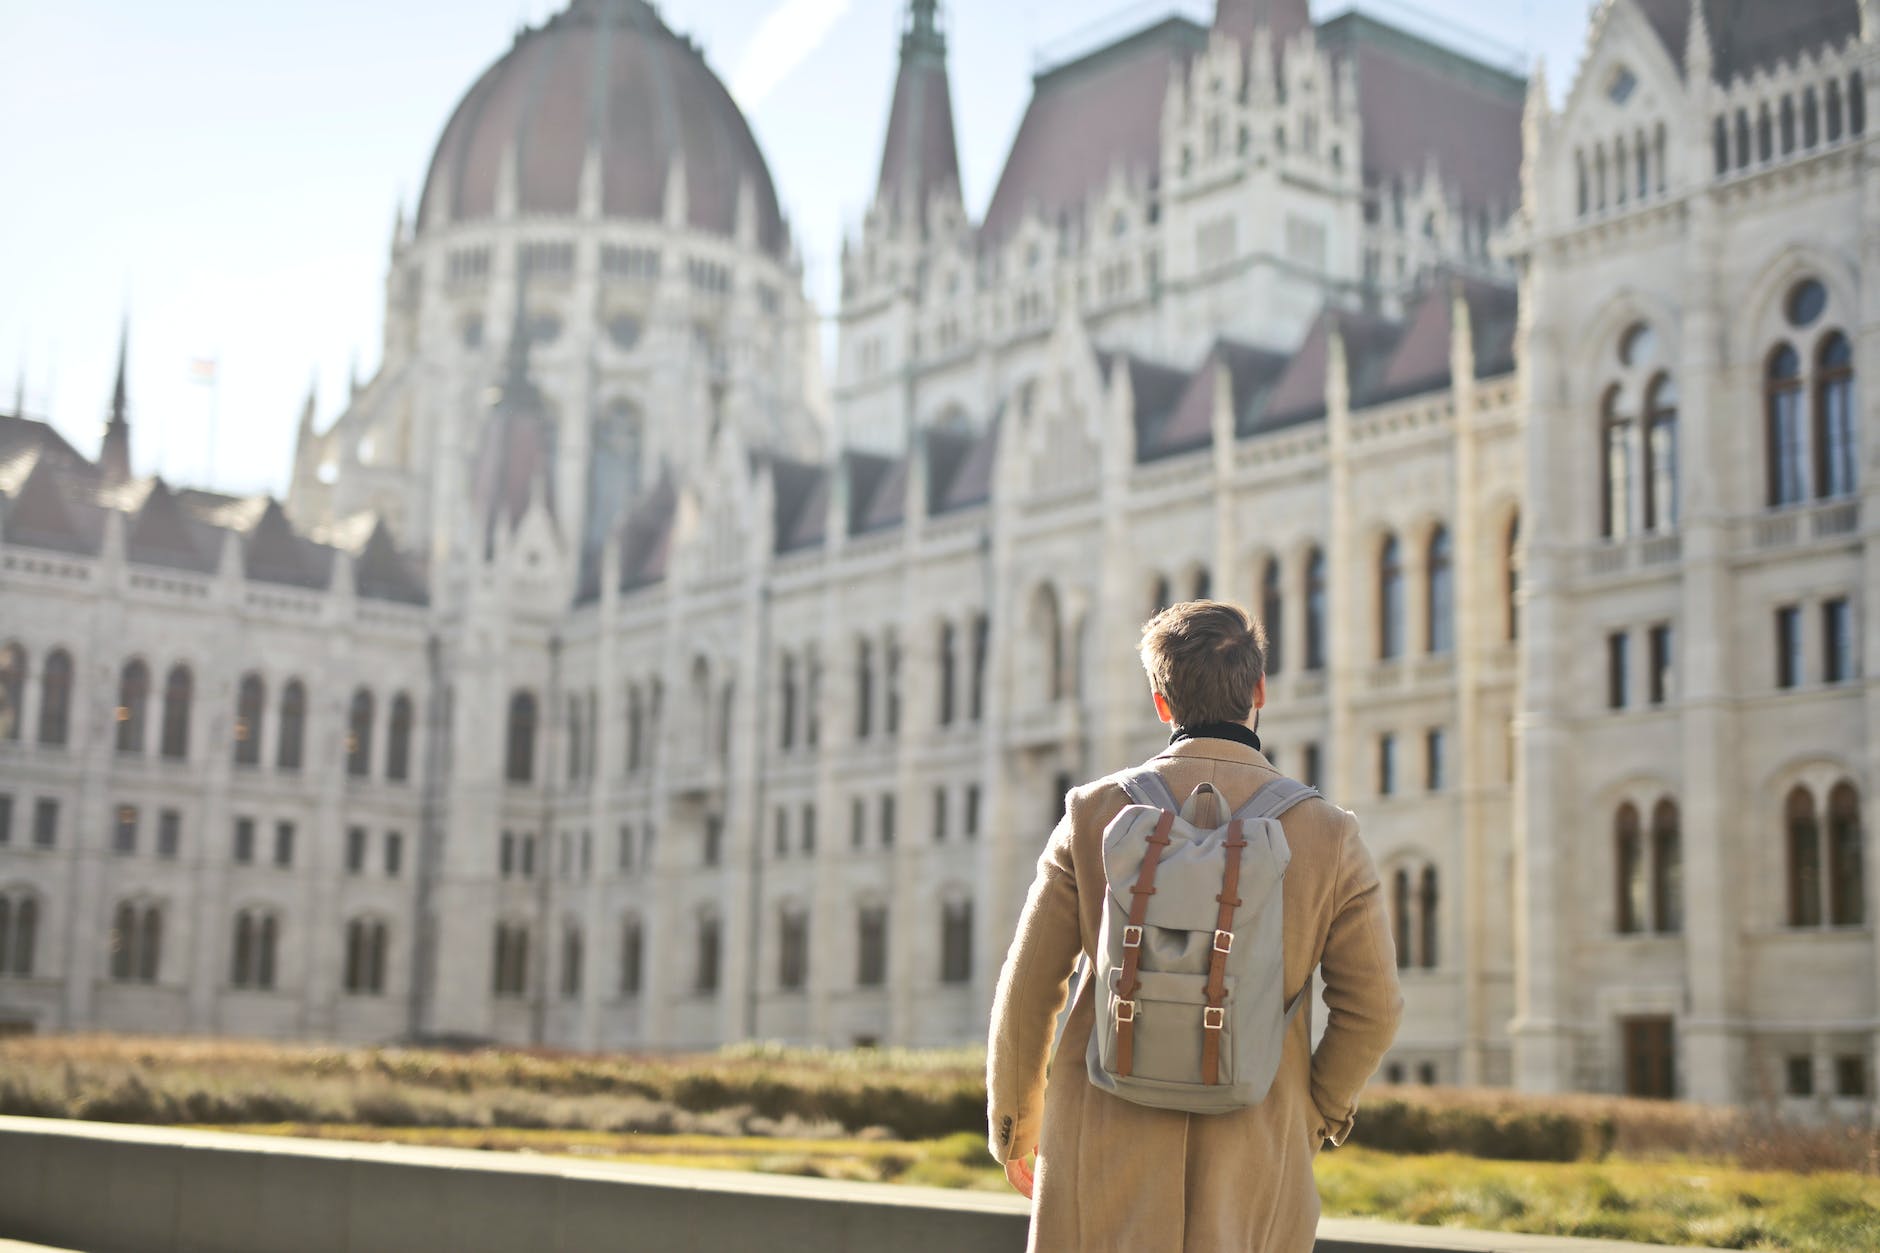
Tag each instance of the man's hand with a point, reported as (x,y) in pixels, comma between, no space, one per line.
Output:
(1018,1174)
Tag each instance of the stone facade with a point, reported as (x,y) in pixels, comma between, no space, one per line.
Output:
(654,699)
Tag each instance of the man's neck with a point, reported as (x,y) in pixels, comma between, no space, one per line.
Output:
(1238,732)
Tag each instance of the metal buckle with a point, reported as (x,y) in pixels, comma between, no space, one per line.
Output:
(1125,1011)
(1214,1018)
(1132,937)
(1223,941)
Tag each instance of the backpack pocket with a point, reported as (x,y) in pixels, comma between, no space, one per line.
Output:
(1169,1028)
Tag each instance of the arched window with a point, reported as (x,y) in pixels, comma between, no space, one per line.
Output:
(1161,596)
(571,954)
(786,712)
(150,944)
(1203,584)
(1047,639)
(1667,869)
(636,729)
(705,972)
(1442,594)
(123,941)
(864,689)
(1811,118)
(55,699)
(631,957)
(1599,176)
(1315,609)
(891,684)
(250,706)
(519,764)
(19,933)
(1834,418)
(949,671)
(1581,199)
(1629,866)
(956,942)
(136,942)
(1400,917)
(1831,99)
(1742,138)
(511,967)
(1856,104)
(398,740)
(359,735)
(1783,402)
(575,748)
(242,963)
(1804,859)
(1720,143)
(871,946)
(365,958)
(727,703)
(1272,613)
(133,703)
(1847,899)
(1661,455)
(1429,918)
(12,690)
(1512,566)
(1616,459)
(1620,174)
(1765,134)
(288,752)
(177,693)
(1390,600)
(1785,124)
(792,949)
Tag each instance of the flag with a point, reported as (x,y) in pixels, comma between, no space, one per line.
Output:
(202,370)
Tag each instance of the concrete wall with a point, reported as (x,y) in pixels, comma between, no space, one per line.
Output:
(104,1188)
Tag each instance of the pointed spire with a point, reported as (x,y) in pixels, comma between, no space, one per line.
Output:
(920,157)
(114,459)
(1698,57)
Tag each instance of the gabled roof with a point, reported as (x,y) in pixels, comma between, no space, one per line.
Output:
(19,433)
(380,571)
(41,514)
(877,491)
(970,482)
(1251,374)
(275,553)
(1298,396)
(802,504)
(1090,116)
(1494,317)
(161,533)
(1157,391)
(1751,35)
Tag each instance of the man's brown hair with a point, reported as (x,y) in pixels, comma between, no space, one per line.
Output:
(1205,657)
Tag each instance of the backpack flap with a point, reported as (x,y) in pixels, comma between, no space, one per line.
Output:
(1188,876)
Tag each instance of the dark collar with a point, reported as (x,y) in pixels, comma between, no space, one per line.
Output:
(1235,731)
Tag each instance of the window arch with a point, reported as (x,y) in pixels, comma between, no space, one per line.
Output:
(12,690)
(1390,600)
(359,734)
(1273,613)
(1835,473)
(1661,454)
(1782,392)
(289,751)
(364,974)
(1441,627)
(1803,829)
(1629,865)
(178,695)
(1616,465)
(1415,915)
(398,740)
(19,933)
(1847,905)
(519,761)
(1315,609)
(250,707)
(1667,869)
(133,705)
(55,698)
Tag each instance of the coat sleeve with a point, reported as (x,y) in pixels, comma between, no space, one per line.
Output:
(1030,995)
(1363,1002)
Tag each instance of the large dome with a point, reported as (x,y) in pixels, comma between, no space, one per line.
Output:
(606,74)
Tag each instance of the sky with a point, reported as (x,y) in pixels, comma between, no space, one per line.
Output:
(225,173)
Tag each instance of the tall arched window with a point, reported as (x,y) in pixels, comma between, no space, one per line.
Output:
(510,970)
(891,684)
(1804,859)
(1428,916)
(1442,594)
(12,690)
(136,942)
(631,957)
(250,706)
(1811,118)
(19,933)
(1581,199)
(519,761)
(257,933)
(572,952)
(1667,869)
(636,729)
(1047,627)
(365,957)
(1616,458)
(1203,584)
(1629,868)
(1400,917)
(786,711)
(359,735)
(55,699)
(1272,613)
(864,689)
(398,740)
(1512,567)
(1847,906)
(948,677)
(133,704)
(1783,403)
(123,941)
(1834,418)
(1661,455)
(1315,609)
(575,746)
(178,693)
(289,751)
(1831,101)
(242,959)
(1390,600)
(727,703)
(705,971)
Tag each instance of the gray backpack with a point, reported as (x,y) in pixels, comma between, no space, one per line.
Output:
(1190,979)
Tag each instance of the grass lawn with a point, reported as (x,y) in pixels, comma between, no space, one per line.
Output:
(1660,1202)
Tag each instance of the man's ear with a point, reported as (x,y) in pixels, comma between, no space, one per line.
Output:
(1162,710)
(1259,694)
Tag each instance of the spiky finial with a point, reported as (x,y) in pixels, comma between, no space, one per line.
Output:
(1698,56)
(114,458)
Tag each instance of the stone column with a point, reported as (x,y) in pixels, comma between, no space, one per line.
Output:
(1867,437)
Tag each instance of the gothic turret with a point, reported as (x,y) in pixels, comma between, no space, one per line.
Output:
(920,159)
(114,459)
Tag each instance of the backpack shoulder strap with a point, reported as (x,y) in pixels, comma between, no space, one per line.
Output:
(1145,787)
(1275,799)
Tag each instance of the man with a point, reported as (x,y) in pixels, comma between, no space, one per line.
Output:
(1115,1175)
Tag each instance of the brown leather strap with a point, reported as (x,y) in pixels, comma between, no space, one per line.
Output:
(1214,1017)
(1125,1005)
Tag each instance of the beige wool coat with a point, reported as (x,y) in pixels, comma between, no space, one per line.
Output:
(1116,1176)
